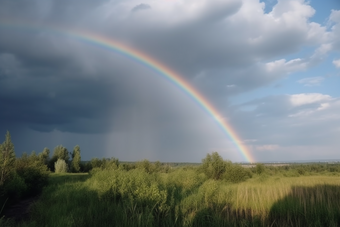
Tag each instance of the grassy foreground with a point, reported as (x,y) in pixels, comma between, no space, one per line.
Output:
(186,198)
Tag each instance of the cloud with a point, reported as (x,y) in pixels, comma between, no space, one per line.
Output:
(304,99)
(141,6)
(283,67)
(334,19)
(337,63)
(311,81)
(288,120)
(54,83)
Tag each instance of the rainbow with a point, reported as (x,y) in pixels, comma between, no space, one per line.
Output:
(144,59)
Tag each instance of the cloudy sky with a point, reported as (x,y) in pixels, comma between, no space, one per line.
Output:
(271,69)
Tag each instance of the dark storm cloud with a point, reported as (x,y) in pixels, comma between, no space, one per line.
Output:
(59,86)
(219,36)
(47,104)
(50,82)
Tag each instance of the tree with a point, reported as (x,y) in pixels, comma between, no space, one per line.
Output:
(146,165)
(96,163)
(7,158)
(59,152)
(213,166)
(60,166)
(75,164)
(44,156)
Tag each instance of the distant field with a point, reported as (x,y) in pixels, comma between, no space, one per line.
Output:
(184,197)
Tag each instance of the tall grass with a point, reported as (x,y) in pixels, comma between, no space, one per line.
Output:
(185,197)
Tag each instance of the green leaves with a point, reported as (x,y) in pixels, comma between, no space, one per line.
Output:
(60,166)
(214,166)
(59,152)
(75,164)
(7,158)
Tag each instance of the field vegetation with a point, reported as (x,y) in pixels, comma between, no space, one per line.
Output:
(215,193)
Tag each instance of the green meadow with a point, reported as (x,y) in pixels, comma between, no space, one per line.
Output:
(186,197)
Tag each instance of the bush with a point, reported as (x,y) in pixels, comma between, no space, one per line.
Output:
(35,177)
(213,166)
(236,173)
(15,187)
(60,166)
(259,169)
(34,173)
(186,180)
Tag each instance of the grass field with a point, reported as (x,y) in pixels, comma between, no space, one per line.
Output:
(186,198)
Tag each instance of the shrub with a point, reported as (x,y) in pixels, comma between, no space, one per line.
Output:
(236,173)
(259,169)
(15,187)
(213,166)
(33,171)
(60,166)
(185,179)
(35,178)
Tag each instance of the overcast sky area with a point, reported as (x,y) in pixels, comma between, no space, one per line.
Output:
(271,69)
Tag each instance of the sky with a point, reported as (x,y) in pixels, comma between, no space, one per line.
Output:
(271,69)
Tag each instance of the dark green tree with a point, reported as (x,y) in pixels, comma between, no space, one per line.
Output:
(44,156)
(7,158)
(75,164)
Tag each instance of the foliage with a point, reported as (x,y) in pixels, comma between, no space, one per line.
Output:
(75,164)
(44,156)
(59,152)
(21,177)
(15,187)
(217,193)
(213,166)
(60,166)
(259,169)
(185,197)
(33,171)
(96,163)
(7,158)
(236,173)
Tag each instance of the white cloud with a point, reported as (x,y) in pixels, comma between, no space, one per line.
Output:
(283,67)
(311,81)
(323,106)
(337,63)
(309,98)
(335,29)
(321,52)
(335,16)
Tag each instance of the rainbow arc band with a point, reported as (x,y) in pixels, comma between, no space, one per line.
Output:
(144,59)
